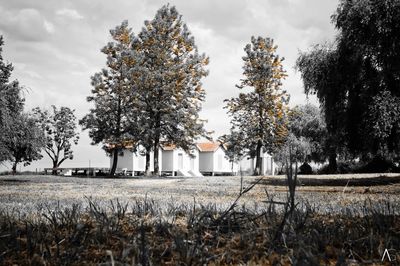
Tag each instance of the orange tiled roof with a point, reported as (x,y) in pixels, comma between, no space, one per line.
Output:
(126,144)
(168,147)
(208,146)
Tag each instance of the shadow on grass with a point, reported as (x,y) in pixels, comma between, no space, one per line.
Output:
(122,177)
(12,181)
(373,181)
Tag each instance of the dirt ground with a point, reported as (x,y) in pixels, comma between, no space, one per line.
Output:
(27,194)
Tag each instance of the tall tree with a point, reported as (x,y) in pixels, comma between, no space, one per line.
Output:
(26,142)
(260,115)
(60,131)
(369,32)
(112,121)
(357,80)
(11,104)
(168,79)
(322,75)
(21,140)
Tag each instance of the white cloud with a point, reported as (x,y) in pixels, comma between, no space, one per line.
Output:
(69,13)
(27,24)
(48,26)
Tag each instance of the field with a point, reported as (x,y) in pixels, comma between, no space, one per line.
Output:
(28,192)
(347,218)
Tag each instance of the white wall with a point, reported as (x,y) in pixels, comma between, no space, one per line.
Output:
(194,165)
(167,161)
(216,162)
(188,163)
(221,163)
(139,162)
(206,161)
(267,165)
(124,160)
(246,166)
(135,161)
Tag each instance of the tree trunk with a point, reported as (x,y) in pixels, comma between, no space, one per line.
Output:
(117,135)
(157,140)
(156,163)
(332,167)
(115,162)
(257,169)
(147,170)
(55,165)
(14,167)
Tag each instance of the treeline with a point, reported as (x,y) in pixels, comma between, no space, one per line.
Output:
(357,82)
(23,135)
(150,93)
(356,79)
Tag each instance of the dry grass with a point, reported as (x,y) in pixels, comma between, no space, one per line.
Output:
(63,221)
(26,193)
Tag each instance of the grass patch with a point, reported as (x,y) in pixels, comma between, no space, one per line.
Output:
(140,232)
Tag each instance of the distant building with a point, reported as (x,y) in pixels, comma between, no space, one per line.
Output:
(134,163)
(172,161)
(178,162)
(247,165)
(207,158)
(213,160)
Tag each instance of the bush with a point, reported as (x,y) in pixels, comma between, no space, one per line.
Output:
(305,169)
(375,165)
(379,165)
(343,167)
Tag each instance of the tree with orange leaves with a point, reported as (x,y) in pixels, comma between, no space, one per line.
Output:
(113,119)
(167,74)
(259,117)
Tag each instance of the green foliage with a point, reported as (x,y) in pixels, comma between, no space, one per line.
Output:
(60,131)
(11,104)
(168,79)
(233,146)
(320,70)
(112,120)
(20,140)
(370,34)
(383,113)
(357,80)
(26,141)
(259,117)
(151,91)
(307,126)
(306,138)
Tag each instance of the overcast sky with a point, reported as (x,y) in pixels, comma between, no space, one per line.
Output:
(55,48)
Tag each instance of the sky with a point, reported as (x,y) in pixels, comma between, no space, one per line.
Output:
(54,47)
